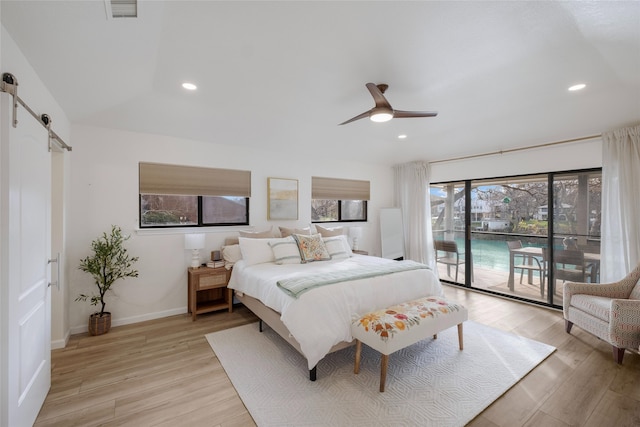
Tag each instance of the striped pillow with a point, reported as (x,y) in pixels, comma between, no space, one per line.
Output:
(285,251)
(337,247)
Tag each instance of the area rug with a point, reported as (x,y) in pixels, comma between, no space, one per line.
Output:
(431,383)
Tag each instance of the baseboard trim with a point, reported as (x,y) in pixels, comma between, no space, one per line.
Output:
(62,343)
(133,319)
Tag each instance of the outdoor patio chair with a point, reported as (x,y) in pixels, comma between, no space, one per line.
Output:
(610,311)
(570,265)
(529,263)
(447,253)
(567,265)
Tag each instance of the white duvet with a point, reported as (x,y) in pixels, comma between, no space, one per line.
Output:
(321,317)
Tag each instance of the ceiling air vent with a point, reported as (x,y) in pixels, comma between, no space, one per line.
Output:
(121,8)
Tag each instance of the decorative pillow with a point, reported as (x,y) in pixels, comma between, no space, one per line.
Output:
(285,251)
(268,234)
(231,254)
(286,232)
(337,247)
(256,251)
(311,248)
(329,232)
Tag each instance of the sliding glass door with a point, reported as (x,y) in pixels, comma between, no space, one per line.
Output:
(511,235)
(576,229)
(448,223)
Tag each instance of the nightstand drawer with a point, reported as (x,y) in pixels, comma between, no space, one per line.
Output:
(212,281)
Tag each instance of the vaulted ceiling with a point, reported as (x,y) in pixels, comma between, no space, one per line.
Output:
(281,75)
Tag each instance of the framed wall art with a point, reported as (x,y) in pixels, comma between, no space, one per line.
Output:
(282,198)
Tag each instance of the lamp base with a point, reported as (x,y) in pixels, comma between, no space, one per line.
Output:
(195,258)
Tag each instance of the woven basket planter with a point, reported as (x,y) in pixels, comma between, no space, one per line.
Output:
(99,325)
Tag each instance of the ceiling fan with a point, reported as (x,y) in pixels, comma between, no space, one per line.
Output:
(383,112)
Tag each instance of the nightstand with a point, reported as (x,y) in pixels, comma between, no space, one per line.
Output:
(208,290)
(359,252)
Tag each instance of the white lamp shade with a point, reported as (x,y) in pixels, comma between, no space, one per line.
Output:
(194,241)
(355,232)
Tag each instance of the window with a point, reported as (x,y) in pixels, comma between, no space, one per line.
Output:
(324,210)
(179,196)
(338,200)
(166,210)
(225,210)
(513,227)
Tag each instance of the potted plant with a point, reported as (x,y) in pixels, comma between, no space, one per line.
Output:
(108,263)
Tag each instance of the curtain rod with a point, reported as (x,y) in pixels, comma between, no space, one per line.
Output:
(10,86)
(511,150)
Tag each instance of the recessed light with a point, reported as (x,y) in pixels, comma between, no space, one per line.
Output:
(577,87)
(403,136)
(189,86)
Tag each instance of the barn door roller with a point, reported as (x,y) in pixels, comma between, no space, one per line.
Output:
(10,86)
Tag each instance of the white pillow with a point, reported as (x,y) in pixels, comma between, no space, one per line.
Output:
(337,247)
(256,251)
(285,251)
(231,254)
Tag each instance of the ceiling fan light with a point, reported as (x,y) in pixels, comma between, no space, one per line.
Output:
(381,116)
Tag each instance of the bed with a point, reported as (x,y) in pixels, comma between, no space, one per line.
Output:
(317,320)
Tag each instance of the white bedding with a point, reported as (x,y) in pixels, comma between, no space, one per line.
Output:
(321,318)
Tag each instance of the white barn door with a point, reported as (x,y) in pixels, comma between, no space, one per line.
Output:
(26,246)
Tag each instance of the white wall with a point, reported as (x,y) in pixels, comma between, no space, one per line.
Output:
(104,191)
(569,156)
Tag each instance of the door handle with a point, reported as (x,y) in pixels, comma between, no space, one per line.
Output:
(57,261)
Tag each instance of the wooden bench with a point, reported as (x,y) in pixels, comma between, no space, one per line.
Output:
(399,326)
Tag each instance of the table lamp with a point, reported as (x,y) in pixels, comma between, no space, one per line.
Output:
(355,233)
(195,242)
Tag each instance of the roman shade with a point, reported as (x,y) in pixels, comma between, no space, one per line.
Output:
(158,178)
(339,189)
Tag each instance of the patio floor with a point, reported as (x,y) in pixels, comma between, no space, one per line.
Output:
(497,281)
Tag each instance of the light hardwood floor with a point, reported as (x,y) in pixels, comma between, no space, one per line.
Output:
(163,372)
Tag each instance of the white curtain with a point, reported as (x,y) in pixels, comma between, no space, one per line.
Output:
(620,240)
(412,197)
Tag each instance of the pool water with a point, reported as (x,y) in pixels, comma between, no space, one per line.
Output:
(490,254)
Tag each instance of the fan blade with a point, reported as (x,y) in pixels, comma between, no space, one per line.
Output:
(378,97)
(358,117)
(407,114)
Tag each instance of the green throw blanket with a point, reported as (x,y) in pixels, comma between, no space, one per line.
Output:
(299,285)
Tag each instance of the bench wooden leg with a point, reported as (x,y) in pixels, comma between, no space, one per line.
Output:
(383,370)
(356,367)
(460,340)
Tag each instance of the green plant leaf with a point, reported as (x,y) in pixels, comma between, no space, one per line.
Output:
(108,263)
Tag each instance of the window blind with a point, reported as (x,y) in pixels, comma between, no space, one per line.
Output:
(339,189)
(158,178)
